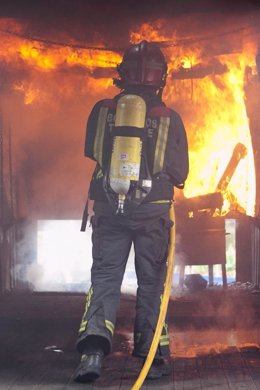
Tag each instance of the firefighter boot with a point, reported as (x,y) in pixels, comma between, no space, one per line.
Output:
(158,369)
(89,368)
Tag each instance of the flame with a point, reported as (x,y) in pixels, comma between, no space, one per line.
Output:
(193,342)
(47,59)
(215,117)
(212,349)
(45,62)
(31,94)
(47,56)
(212,107)
(223,124)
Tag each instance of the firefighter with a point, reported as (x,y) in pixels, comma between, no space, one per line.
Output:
(140,149)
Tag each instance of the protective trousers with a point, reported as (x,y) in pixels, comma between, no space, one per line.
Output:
(112,238)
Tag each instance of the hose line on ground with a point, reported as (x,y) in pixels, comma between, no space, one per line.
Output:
(165,300)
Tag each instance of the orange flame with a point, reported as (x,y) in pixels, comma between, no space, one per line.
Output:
(31,94)
(215,116)
(193,343)
(212,106)
(47,59)
(44,60)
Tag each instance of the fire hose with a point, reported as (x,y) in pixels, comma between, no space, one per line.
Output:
(163,309)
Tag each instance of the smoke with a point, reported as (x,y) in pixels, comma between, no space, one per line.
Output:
(52,255)
(47,110)
(47,100)
(46,96)
(48,145)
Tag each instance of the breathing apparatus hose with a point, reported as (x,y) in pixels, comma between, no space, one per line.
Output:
(165,300)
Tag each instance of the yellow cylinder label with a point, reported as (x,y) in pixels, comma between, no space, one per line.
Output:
(126,158)
(130,111)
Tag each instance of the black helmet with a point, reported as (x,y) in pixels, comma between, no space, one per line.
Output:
(143,64)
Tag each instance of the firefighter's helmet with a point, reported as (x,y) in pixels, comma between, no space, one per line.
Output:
(143,64)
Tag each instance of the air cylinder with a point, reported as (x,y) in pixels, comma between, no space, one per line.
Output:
(127,149)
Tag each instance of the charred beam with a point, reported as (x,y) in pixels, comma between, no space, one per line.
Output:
(239,153)
(199,71)
(97,72)
(202,202)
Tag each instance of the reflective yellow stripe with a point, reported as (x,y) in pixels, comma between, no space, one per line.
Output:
(164,337)
(164,340)
(161,144)
(110,326)
(164,343)
(99,174)
(88,299)
(98,143)
(83,323)
(83,326)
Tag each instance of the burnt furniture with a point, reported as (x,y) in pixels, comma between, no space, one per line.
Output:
(201,240)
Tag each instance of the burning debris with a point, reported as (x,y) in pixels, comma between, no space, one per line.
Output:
(214,202)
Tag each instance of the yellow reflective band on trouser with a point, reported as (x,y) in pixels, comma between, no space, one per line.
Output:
(84,322)
(88,299)
(99,174)
(110,326)
(161,144)
(83,326)
(164,339)
(164,343)
(98,143)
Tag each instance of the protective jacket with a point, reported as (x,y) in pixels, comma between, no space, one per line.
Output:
(147,227)
(165,147)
